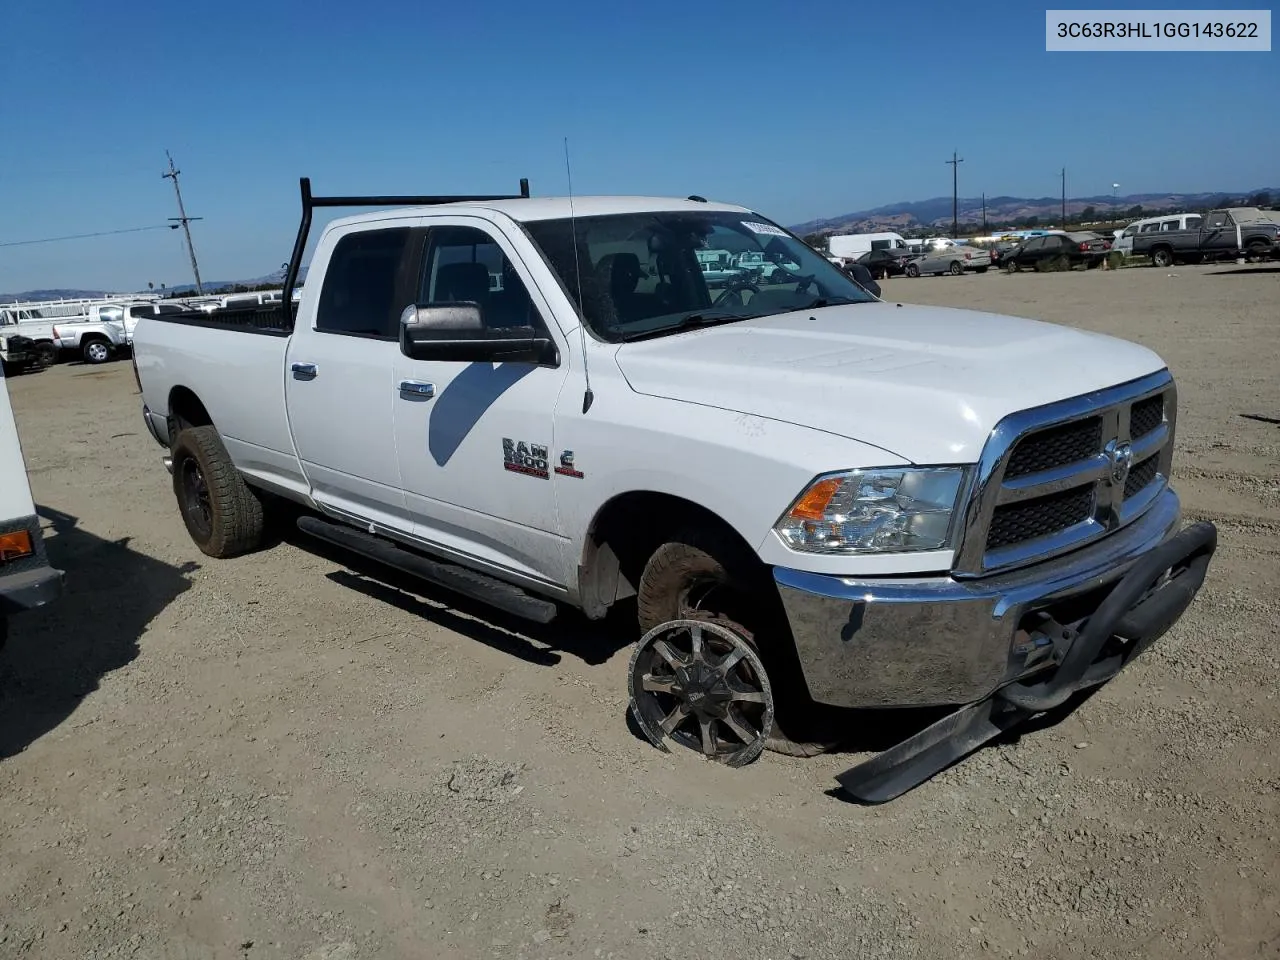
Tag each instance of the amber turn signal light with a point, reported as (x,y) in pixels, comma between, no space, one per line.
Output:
(813,505)
(14,546)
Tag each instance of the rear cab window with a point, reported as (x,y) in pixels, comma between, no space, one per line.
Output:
(367,284)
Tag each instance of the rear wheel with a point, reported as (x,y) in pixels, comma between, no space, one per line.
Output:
(700,576)
(913,270)
(956,268)
(46,353)
(96,351)
(222,513)
(1257,252)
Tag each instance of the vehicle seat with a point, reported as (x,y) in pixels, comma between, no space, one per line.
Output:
(619,274)
(464,283)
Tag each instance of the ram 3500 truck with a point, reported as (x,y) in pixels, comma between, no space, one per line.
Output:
(537,401)
(1233,232)
(26,578)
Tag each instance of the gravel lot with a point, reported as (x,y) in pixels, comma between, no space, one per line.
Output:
(288,756)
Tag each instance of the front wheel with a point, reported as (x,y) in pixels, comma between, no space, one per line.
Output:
(700,576)
(222,513)
(46,354)
(1162,257)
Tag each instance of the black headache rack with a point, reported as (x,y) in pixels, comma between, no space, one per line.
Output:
(310,202)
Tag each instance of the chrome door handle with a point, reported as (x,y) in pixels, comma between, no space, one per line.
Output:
(417,389)
(304,371)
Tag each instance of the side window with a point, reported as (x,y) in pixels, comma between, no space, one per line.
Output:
(364,284)
(1169,225)
(879,244)
(1034,244)
(1218,219)
(1151,228)
(465,265)
(1194,222)
(1130,231)
(111,314)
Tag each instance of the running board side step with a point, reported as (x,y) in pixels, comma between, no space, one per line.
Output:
(478,586)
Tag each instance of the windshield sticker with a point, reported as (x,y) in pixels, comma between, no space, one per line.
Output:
(767,228)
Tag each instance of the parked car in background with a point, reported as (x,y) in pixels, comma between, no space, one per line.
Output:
(950,257)
(17,353)
(95,341)
(884,264)
(1080,248)
(1230,232)
(1000,249)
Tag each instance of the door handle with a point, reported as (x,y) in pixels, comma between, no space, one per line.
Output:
(417,390)
(304,371)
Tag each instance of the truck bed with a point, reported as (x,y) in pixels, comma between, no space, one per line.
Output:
(204,353)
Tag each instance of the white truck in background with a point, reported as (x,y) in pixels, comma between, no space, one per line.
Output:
(850,246)
(26,578)
(812,500)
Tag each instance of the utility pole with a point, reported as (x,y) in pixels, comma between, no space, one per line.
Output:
(984,212)
(1064,198)
(955,162)
(172,174)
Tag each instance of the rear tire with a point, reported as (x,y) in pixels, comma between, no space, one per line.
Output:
(913,270)
(222,513)
(46,354)
(956,268)
(96,351)
(700,576)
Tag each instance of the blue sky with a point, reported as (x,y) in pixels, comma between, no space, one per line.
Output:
(798,109)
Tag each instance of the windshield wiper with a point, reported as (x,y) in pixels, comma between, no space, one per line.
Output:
(831,302)
(707,318)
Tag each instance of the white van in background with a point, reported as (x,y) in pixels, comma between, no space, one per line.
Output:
(1173,221)
(26,579)
(853,245)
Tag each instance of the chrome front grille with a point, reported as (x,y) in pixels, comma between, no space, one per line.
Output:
(1060,476)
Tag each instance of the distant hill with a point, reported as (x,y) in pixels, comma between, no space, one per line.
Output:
(936,212)
(184,289)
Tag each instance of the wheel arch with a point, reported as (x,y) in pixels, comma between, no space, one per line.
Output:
(624,533)
(186,410)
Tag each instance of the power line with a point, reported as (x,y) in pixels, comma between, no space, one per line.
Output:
(182,218)
(84,236)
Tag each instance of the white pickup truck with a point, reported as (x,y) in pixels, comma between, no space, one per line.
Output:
(537,401)
(26,578)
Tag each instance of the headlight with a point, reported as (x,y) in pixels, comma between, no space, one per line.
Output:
(875,511)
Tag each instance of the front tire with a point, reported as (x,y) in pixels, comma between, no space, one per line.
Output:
(222,513)
(1162,257)
(46,354)
(699,576)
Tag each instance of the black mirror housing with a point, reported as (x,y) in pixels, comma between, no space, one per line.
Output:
(457,332)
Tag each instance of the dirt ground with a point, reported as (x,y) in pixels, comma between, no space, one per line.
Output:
(289,756)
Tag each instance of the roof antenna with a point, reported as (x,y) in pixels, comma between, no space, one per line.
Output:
(587,397)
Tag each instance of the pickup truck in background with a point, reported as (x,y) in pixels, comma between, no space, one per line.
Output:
(26,578)
(808,499)
(1232,232)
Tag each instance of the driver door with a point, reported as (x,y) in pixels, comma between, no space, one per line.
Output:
(475,440)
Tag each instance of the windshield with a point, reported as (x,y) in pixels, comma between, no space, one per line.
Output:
(650,274)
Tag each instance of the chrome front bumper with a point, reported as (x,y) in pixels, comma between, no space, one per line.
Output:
(936,641)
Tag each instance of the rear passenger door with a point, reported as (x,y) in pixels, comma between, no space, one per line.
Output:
(339,387)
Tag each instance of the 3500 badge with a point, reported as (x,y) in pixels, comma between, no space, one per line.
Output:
(527,458)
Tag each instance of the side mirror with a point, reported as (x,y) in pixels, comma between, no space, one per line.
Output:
(457,332)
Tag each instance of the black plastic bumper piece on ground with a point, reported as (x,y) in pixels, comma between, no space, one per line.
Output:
(478,586)
(1133,612)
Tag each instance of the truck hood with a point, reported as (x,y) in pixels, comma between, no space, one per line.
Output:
(924,383)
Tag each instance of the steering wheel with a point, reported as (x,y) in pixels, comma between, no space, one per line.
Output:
(735,290)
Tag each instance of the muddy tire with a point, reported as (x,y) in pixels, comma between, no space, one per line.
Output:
(700,576)
(222,513)
(46,354)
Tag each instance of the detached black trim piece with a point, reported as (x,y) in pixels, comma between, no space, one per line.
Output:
(310,202)
(1139,609)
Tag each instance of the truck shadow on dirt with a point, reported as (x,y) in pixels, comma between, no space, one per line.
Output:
(56,655)
(1241,271)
